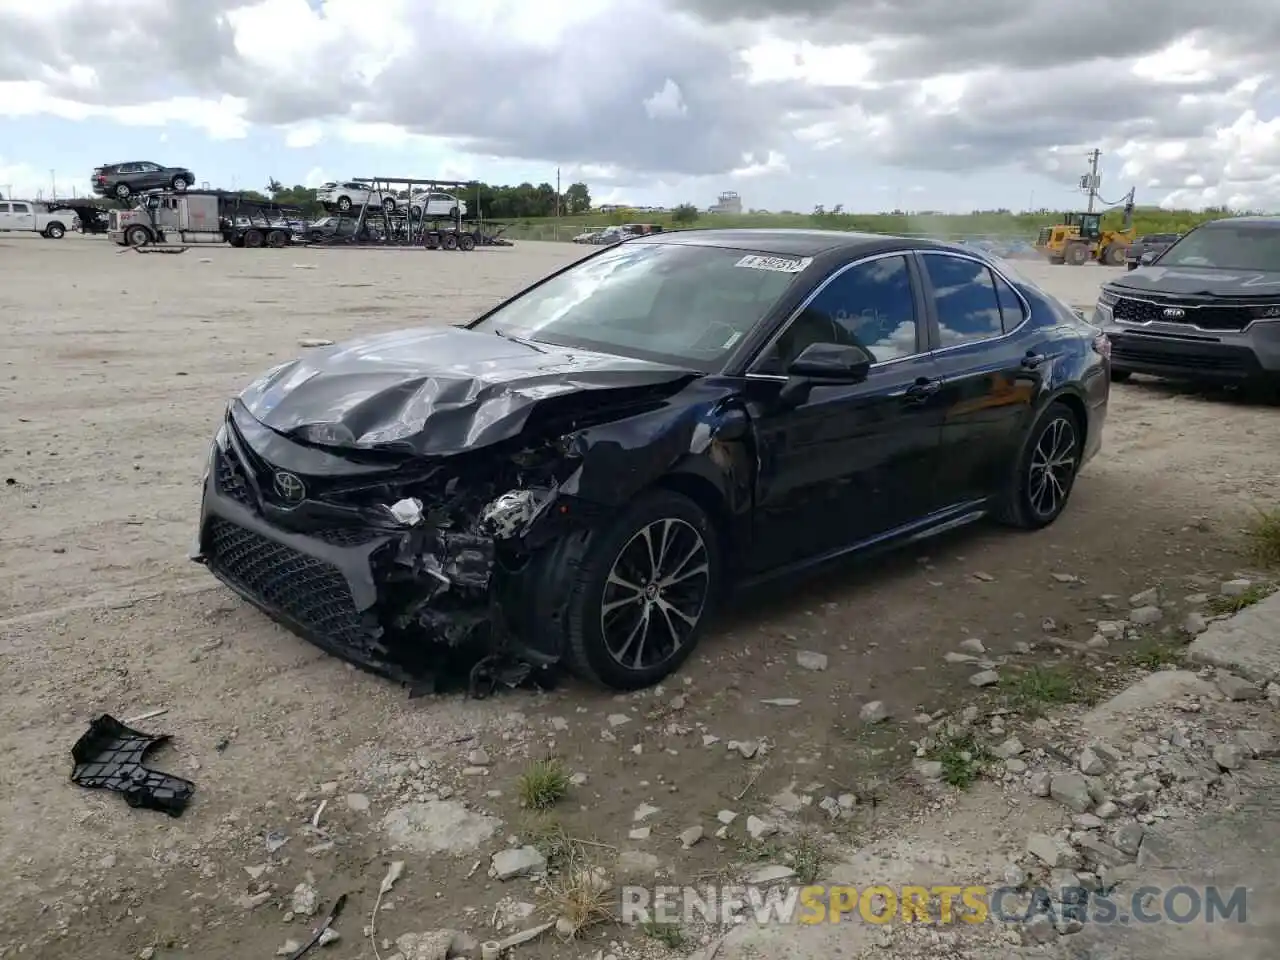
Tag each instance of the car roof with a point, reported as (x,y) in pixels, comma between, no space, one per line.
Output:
(1253,221)
(799,242)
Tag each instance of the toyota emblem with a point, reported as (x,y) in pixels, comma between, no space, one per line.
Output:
(1174,313)
(289,487)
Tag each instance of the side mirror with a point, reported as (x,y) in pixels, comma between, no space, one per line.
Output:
(824,364)
(1148,258)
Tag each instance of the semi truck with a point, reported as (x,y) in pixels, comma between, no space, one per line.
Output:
(191,217)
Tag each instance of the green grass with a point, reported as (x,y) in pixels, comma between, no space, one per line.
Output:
(668,934)
(962,756)
(990,224)
(1263,534)
(1040,687)
(806,857)
(1153,655)
(1228,605)
(543,784)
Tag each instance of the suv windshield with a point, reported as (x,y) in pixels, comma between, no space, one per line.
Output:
(673,303)
(1235,247)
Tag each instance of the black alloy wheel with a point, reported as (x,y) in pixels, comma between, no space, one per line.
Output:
(1046,471)
(179,183)
(646,588)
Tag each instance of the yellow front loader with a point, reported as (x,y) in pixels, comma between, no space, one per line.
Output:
(1080,238)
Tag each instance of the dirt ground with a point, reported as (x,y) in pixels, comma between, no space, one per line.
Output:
(116,367)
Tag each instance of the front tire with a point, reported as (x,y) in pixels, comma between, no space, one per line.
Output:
(1046,470)
(643,592)
(137,236)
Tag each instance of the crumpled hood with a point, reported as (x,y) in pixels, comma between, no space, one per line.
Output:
(1196,281)
(433,390)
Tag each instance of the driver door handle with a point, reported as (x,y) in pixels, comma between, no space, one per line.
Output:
(1033,360)
(923,388)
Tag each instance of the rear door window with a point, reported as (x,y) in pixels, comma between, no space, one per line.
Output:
(964,296)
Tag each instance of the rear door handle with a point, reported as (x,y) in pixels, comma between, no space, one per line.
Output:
(923,388)
(1033,360)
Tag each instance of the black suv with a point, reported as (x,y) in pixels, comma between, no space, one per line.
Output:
(1209,309)
(123,180)
(1154,243)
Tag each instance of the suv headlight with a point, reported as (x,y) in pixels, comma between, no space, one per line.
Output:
(1271,312)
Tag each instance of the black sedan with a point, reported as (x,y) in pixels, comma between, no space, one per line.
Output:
(579,475)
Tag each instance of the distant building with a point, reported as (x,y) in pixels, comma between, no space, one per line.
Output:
(729,203)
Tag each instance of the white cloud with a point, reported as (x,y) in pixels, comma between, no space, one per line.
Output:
(667,103)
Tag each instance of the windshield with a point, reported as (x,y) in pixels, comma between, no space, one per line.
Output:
(673,303)
(1237,247)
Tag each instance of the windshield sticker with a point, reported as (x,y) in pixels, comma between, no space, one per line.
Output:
(777,264)
(733,338)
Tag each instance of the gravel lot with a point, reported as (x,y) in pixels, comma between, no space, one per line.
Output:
(116,369)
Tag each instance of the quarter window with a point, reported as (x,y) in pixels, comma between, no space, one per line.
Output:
(964,295)
(868,305)
(1011,311)
(4,208)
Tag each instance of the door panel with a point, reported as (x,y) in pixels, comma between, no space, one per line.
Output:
(990,379)
(851,463)
(21,217)
(854,460)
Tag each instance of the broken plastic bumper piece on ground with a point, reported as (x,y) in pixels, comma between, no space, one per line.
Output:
(110,756)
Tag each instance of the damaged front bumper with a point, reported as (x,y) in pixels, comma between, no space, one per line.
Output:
(380,586)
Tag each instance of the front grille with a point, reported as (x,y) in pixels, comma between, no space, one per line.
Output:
(1217,361)
(1206,318)
(230,476)
(312,593)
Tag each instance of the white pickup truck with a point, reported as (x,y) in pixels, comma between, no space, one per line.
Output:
(33,216)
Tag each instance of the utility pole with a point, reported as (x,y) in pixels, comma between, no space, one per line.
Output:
(557,191)
(1093,156)
(53,182)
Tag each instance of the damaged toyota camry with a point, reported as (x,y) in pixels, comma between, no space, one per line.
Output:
(579,476)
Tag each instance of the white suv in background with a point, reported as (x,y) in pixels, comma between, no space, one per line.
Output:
(352,196)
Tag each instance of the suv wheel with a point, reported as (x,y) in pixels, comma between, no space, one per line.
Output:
(122,191)
(179,183)
(344,204)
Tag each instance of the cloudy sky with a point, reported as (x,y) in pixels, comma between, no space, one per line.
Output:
(923,104)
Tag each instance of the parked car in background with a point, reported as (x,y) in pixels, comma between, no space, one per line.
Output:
(434,204)
(609,236)
(1208,310)
(1152,243)
(32,216)
(588,236)
(596,460)
(123,180)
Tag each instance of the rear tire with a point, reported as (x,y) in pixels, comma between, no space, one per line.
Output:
(179,183)
(613,619)
(466,242)
(122,191)
(1045,471)
(55,231)
(449,241)
(253,238)
(277,239)
(1114,255)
